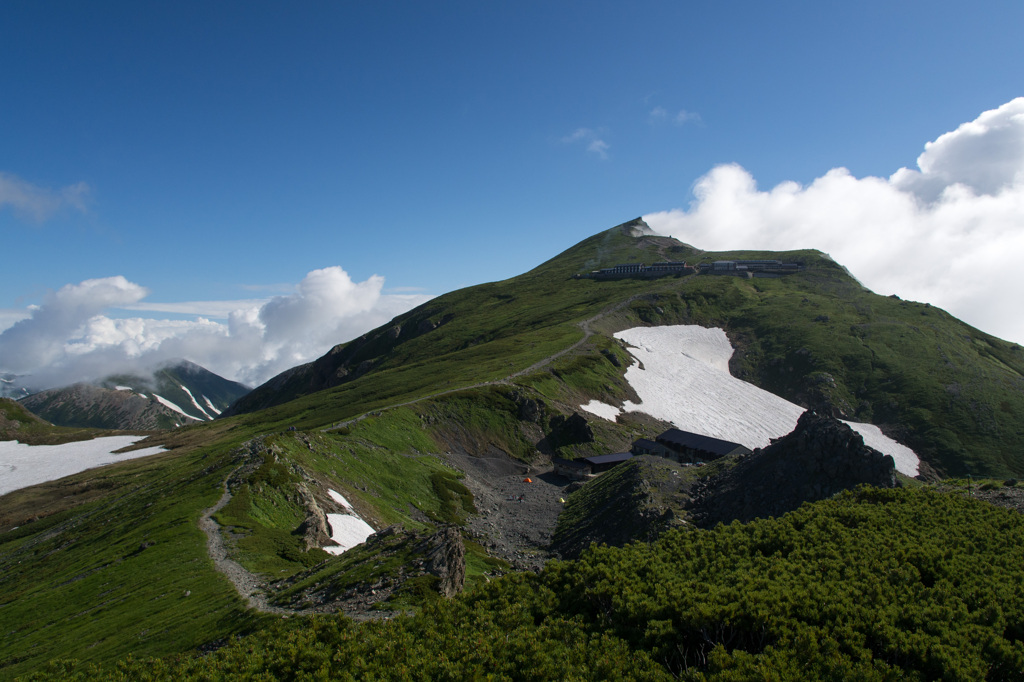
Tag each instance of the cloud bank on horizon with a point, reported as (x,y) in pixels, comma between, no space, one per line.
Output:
(950,233)
(70,337)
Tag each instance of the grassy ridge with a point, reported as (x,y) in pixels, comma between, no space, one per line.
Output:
(818,338)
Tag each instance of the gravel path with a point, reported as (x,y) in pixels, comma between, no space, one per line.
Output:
(249,586)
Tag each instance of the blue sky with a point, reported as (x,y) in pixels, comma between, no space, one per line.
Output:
(227,151)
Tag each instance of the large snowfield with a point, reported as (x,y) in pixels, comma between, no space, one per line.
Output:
(681,374)
(24,465)
(348,530)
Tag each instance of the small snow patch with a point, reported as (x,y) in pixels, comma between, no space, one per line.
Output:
(907,462)
(210,405)
(195,402)
(603,410)
(167,403)
(348,529)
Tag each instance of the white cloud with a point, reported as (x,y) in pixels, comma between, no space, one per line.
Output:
(950,233)
(40,203)
(215,309)
(684,117)
(599,147)
(8,316)
(660,114)
(589,137)
(69,338)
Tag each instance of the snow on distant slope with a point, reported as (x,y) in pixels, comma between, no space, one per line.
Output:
(348,529)
(167,403)
(685,380)
(195,402)
(24,465)
(210,405)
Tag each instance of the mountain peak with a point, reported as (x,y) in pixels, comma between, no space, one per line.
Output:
(636,228)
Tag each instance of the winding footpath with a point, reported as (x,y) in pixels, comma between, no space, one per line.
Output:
(249,586)
(587,333)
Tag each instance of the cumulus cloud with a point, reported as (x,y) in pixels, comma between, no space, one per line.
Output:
(591,139)
(72,337)
(40,203)
(950,232)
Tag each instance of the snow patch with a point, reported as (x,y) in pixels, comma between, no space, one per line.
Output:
(167,403)
(603,410)
(194,402)
(907,462)
(340,499)
(348,529)
(685,380)
(23,465)
(124,388)
(210,405)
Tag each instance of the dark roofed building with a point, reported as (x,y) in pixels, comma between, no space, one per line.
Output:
(645,446)
(695,447)
(605,462)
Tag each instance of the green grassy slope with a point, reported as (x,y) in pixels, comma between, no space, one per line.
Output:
(870,585)
(125,570)
(460,362)
(817,338)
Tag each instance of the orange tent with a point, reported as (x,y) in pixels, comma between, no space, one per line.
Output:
(526,480)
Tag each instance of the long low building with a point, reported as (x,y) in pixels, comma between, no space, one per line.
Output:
(694,447)
(675,444)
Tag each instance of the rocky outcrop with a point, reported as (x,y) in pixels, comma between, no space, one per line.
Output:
(392,560)
(528,409)
(314,529)
(445,557)
(569,430)
(634,501)
(821,457)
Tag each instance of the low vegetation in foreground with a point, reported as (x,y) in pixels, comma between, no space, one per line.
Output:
(872,584)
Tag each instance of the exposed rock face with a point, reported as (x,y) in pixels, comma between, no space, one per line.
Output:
(315,530)
(637,500)
(441,554)
(821,457)
(569,431)
(445,556)
(529,409)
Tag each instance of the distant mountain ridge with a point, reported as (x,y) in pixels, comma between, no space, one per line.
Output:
(176,394)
